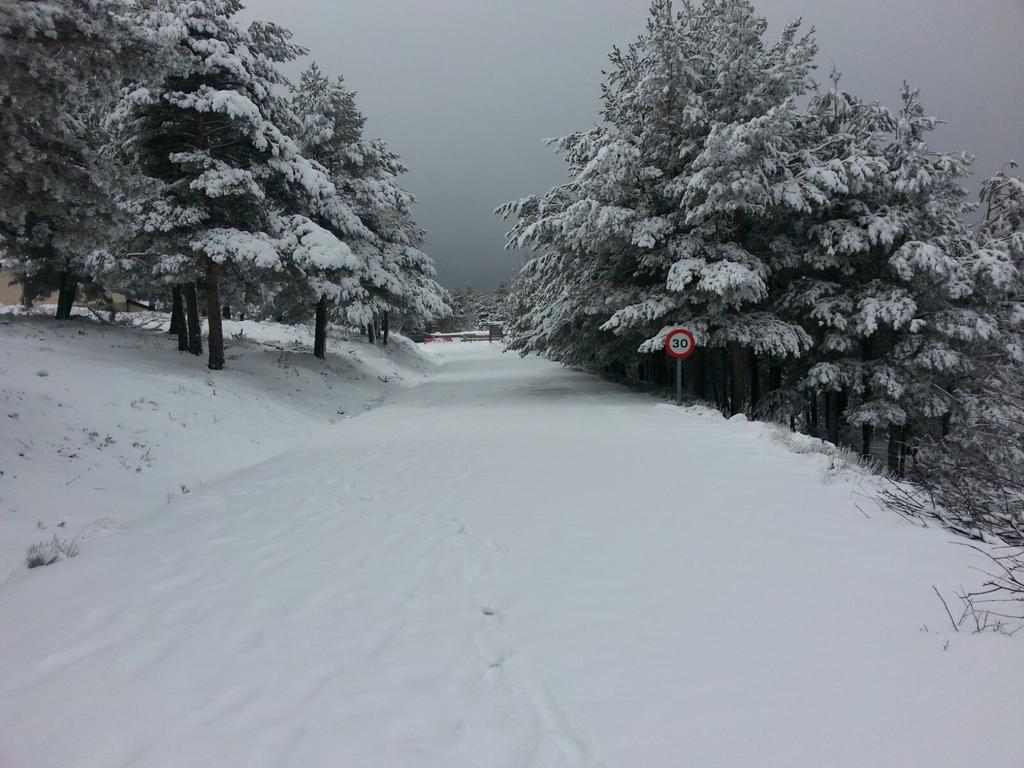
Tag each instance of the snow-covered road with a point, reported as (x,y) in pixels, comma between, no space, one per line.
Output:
(514,565)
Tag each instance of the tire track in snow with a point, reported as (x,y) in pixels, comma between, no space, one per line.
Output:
(554,730)
(557,742)
(553,741)
(399,593)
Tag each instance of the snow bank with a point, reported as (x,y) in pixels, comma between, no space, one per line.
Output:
(103,424)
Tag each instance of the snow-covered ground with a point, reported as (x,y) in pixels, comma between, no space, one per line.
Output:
(104,424)
(512,564)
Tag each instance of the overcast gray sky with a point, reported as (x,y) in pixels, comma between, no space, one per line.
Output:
(465,90)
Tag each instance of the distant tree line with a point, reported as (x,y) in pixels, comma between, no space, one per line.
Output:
(828,260)
(154,148)
(473,310)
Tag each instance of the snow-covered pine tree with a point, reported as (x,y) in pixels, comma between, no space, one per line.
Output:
(399,275)
(826,276)
(972,475)
(999,264)
(450,321)
(395,275)
(501,304)
(470,319)
(707,198)
(328,122)
(925,297)
(489,307)
(235,193)
(485,309)
(938,317)
(886,280)
(61,62)
(677,203)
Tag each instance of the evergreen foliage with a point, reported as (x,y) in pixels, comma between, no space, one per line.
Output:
(60,66)
(813,242)
(172,162)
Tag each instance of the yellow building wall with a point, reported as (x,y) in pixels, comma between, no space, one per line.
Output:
(11,294)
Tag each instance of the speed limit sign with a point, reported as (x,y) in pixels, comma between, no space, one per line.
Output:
(680,344)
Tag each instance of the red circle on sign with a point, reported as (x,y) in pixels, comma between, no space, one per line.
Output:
(680,344)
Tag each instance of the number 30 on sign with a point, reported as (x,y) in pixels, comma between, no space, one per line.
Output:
(680,344)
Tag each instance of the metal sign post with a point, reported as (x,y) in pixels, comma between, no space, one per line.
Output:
(679,381)
(680,344)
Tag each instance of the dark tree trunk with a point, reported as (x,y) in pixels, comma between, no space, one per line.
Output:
(386,328)
(178,307)
(867,433)
(812,413)
(832,411)
(62,295)
(183,337)
(904,449)
(842,406)
(66,295)
(215,334)
(320,329)
(195,328)
(775,377)
(895,443)
(369,333)
(755,383)
(893,451)
(177,311)
(695,374)
(227,312)
(720,379)
(738,369)
(700,373)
